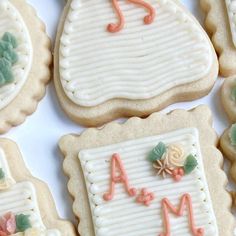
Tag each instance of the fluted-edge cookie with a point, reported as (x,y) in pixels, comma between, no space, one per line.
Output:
(156,176)
(26,205)
(25,58)
(221,25)
(129,58)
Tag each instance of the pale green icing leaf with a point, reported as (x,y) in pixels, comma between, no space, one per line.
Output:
(2,174)
(232,135)
(190,164)
(233,94)
(6,75)
(11,39)
(22,222)
(8,57)
(11,56)
(157,152)
(4,46)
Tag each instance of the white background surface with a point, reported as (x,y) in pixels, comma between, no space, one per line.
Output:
(38,136)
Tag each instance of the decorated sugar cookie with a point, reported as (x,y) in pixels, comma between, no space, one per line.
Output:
(158,176)
(228,97)
(221,24)
(24,62)
(26,205)
(133,57)
(228,146)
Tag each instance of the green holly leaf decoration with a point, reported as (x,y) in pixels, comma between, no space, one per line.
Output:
(190,164)
(232,135)
(11,39)
(233,94)
(2,174)
(6,75)
(157,152)
(22,223)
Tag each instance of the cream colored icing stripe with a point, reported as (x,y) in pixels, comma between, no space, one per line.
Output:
(123,216)
(11,21)
(231,9)
(139,62)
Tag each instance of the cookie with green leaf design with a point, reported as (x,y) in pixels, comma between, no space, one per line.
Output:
(25,60)
(228,97)
(26,205)
(228,146)
(139,170)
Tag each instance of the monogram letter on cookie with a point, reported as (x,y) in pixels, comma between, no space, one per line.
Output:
(147,177)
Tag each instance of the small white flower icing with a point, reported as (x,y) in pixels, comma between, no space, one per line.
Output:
(175,155)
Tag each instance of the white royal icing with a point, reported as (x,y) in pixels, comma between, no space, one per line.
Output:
(122,216)
(4,167)
(21,198)
(231,9)
(12,22)
(140,62)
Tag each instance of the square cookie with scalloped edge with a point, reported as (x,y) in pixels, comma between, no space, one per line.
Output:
(156,176)
(129,58)
(221,25)
(25,58)
(26,204)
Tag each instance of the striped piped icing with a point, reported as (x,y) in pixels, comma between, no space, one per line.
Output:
(21,198)
(139,62)
(123,216)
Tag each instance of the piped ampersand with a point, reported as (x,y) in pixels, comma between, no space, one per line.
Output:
(113,28)
(145,197)
(116,164)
